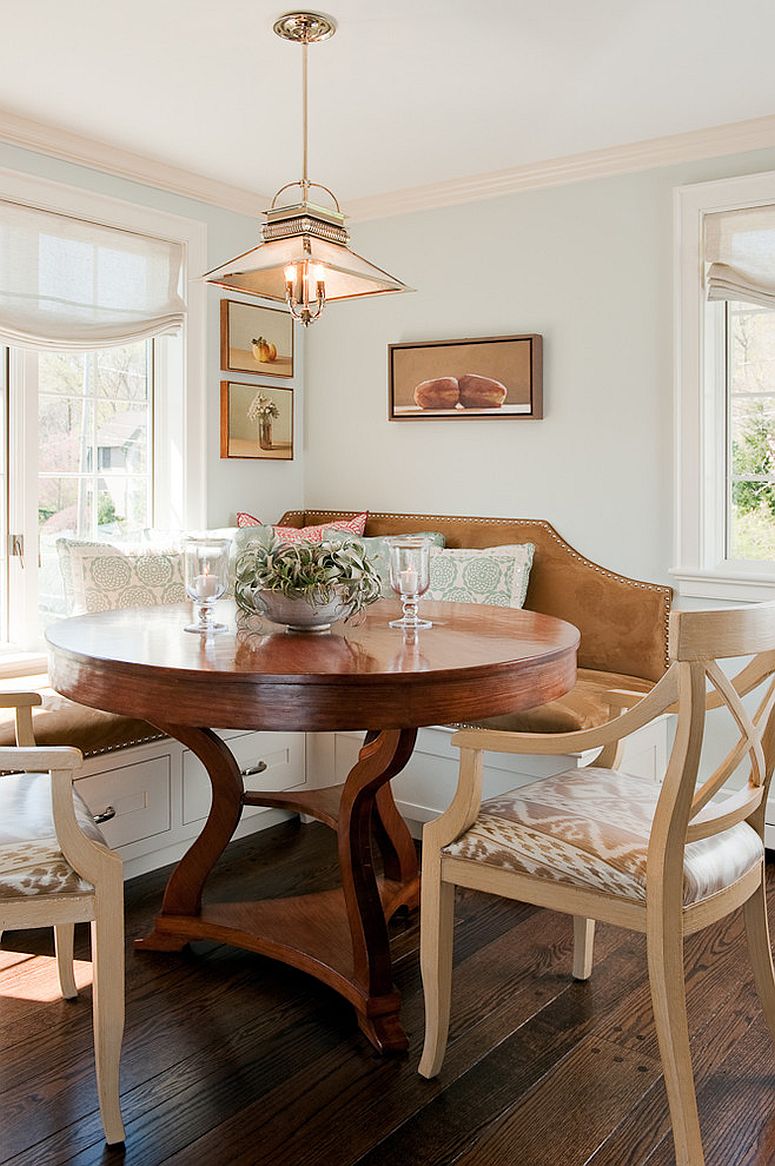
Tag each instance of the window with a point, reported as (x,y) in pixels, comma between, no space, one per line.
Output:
(95,441)
(725,381)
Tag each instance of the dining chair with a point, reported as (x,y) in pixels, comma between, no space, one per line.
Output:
(663,859)
(56,869)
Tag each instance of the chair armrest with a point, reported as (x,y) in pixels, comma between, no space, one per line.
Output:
(462,811)
(14,700)
(661,697)
(23,702)
(41,759)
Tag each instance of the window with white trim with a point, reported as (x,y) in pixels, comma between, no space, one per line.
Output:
(101,357)
(725,382)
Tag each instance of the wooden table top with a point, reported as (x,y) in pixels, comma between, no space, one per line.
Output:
(476,661)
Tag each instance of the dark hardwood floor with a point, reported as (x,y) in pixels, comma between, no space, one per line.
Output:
(229,1058)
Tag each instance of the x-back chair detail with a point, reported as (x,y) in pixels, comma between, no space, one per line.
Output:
(598,844)
(56,869)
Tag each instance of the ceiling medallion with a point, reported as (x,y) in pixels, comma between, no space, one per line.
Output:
(304,257)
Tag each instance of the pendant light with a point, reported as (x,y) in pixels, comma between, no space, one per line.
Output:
(304,258)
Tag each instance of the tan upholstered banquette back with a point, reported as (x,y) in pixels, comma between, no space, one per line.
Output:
(623,622)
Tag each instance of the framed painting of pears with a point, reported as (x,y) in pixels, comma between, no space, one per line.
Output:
(255,339)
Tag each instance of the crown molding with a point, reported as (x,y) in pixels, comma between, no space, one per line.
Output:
(733,138)
(70,147)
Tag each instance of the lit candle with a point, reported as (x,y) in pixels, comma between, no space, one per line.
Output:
(290,279)
(319,275)
(408,581)
(206,585)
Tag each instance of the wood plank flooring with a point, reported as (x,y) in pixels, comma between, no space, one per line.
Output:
(231,1059)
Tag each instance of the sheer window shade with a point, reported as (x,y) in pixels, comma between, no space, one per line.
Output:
(740,253)
(70,284)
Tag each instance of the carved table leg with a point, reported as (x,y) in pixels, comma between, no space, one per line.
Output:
(183,894)
(381,758)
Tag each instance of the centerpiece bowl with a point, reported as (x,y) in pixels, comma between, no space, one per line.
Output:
(305,586)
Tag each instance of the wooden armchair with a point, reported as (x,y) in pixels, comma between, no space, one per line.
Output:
(55,868)
(598,844)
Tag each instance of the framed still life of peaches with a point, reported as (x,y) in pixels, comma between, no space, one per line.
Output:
(490,377)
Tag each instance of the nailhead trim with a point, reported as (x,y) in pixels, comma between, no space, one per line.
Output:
(658,588)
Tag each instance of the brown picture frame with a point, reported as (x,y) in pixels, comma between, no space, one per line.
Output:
(502,375)
(240,323)
(242,437)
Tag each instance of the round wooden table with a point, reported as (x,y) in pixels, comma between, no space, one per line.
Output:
(474,662)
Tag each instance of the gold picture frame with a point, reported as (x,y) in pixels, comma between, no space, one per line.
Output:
(488,377)
(256,339)
(256,421)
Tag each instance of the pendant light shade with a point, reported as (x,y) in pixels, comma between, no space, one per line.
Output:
(304,258)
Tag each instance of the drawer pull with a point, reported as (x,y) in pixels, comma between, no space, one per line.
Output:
(252,770)
(105,815)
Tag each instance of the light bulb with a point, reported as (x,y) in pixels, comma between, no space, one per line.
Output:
(319,273)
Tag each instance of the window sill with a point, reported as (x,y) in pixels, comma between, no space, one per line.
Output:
(14,663)
(737,587)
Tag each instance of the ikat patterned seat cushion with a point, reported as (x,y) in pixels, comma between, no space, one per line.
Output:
(31,860)
(589,828)
(314,534)
(104,577)
(495,575)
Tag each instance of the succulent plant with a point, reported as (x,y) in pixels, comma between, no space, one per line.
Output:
(317,572)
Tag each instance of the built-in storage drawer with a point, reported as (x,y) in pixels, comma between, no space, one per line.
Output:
(136,797)
(267,760)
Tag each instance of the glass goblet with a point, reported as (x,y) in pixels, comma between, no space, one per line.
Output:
(206,562)
(409,577)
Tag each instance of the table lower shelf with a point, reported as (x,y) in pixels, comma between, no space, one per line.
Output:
(310,932)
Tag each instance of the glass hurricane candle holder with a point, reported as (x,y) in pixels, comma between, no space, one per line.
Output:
(409,577)
(206,563)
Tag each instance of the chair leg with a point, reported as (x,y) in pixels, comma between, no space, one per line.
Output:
(437,922)
(64,939)
(583,947)
(668,995)
(107,932)
(760,952)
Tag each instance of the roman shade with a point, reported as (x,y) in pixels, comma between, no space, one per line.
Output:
(740,254)
(66,283)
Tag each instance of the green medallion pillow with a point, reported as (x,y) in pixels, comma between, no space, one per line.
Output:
(378,551)
(494,575)
(103,577)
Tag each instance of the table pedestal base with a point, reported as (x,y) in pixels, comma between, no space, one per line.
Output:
(341,935)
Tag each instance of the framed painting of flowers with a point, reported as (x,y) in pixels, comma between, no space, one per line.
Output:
(256,421)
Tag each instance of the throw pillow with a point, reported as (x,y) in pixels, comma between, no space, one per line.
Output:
(295,534)
(103,577)
(378,551)
(494,575)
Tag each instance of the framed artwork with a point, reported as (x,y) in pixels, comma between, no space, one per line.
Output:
(255,339)
(256,421)
(495,376)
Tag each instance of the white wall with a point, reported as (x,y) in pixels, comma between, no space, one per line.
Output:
(266,489)
(588,265)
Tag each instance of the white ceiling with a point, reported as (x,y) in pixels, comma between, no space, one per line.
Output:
(408,92)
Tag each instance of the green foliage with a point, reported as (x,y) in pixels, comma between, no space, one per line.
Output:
(106,511)
(753,454)
(317,572)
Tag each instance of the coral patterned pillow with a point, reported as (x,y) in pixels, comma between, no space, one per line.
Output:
(314,534)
